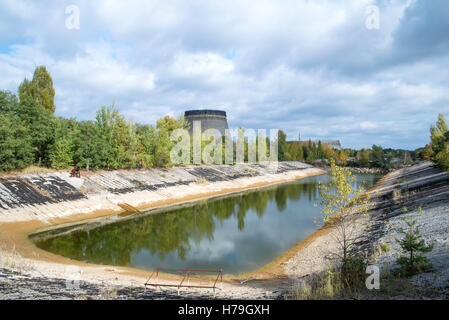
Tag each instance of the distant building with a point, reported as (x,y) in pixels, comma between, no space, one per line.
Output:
(215,119)
(334,144)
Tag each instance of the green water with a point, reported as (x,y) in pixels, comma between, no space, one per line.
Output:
(237,234)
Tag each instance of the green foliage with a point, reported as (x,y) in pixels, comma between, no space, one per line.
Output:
(413,263)
(353,273)
(438,152)
(61,154)
(39,89)
(342,206)
(30,134)
(334,284)
(378,156)
(282,145)
(384,247)
(16,151)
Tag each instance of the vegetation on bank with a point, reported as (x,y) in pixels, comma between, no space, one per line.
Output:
(343,208)
(438,148)
(374,157)
(30,134)
(346,211)
(414,261)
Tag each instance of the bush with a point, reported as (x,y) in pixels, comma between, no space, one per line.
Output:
(353,273)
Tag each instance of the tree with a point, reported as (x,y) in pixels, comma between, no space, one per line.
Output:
(412,243)
(167,123)
(39,89)
(8,102)
(439,135)
(378,156)
(16,151)
(61,154)
(282,145)
(320,151)
(118,138)
(364,157)
(328,153)
(342,206)
(38,121)
(296,151)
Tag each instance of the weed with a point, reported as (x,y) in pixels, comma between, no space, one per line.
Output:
(202,180)
(384,247)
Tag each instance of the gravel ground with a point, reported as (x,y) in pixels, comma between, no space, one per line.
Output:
(23,286)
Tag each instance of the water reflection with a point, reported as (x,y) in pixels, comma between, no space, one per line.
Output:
(238,233)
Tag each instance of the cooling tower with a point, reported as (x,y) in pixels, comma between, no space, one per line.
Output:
(209,119)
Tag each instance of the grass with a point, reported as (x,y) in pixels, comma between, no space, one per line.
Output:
(202,180)
(31,170)
(10,259)
(334,283)
(384,247)
(329,285)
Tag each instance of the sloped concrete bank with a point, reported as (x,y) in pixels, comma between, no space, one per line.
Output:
(29,203)
(54,195)
(421,192)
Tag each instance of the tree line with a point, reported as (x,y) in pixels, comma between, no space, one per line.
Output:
(30,134)
(313,152)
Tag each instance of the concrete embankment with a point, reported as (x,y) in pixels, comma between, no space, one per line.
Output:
(50,196)
(421,192)
(31,202)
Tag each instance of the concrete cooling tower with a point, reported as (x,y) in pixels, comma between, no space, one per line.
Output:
(209,119)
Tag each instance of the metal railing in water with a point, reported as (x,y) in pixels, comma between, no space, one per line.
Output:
(185,282)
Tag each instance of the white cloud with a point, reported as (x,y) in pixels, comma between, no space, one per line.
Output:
(201,64)
(296,65)
(97,68)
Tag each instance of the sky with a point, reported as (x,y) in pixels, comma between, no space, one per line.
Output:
(364,72)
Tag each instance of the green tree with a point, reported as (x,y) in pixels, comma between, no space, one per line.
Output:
(282,145)
(364,157)
(61,154)
(412,243)
(40,124)
(39,89)
(118,138)
(320,150)
(378,156)
(342,207)
(439,136)
(16,151)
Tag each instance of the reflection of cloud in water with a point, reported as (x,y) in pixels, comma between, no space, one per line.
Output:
(236,234)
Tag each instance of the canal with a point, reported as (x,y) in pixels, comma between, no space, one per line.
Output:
(238,233)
